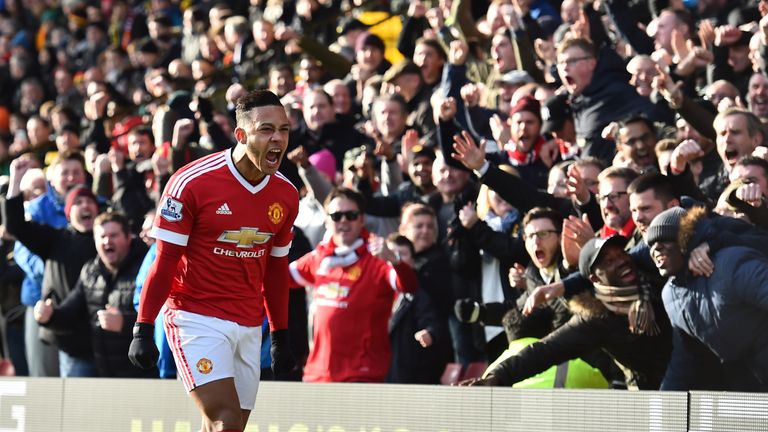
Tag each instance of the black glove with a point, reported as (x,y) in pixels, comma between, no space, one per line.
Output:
(143,351)
(282,357)
(468,310)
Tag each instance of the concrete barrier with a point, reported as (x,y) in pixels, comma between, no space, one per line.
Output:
(98,405)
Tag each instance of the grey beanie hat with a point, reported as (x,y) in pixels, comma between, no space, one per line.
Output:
(665,226)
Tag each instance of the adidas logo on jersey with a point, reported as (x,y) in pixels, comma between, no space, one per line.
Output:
(224,210)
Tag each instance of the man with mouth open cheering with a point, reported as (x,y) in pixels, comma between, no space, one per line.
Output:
(223,230)
(65,251)
(599,94)
(624,317)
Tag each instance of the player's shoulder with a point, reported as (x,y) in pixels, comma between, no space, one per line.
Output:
(189,174)
(204,164)
(282,182)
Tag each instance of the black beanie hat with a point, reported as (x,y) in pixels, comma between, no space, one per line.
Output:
(665,226)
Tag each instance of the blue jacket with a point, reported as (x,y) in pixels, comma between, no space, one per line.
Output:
(47,209)
(727,313)
(33,267)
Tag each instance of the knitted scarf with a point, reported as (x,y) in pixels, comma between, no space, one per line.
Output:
(633,301)
(341,256)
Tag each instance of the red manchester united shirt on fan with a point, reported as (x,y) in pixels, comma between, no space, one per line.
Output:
(353,305)
(229,227)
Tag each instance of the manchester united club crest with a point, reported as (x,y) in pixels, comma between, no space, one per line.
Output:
(204,366)
(354,273)
(275,213)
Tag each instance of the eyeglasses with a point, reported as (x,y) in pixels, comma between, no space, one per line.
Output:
(572,61)
(612,197)
(351,215)
(542,235)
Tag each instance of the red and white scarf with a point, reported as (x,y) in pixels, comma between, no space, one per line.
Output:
(520,158)
(333,256)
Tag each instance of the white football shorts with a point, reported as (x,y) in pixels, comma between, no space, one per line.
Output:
(207,349)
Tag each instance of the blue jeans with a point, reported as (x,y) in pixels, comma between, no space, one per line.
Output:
(73,367)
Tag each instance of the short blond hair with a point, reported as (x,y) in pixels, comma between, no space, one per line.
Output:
(580,43)
(412,210)
(754,125)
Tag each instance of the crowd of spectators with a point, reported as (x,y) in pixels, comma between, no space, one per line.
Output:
(514,153)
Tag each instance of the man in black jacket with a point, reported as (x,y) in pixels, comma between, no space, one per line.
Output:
(600,93)
(64,252)
(104,295)
(581,183)
(404,78)
(624,317)
(738,131)
(541,240)
(133,179)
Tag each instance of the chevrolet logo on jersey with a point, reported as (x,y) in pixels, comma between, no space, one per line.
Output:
(245,237)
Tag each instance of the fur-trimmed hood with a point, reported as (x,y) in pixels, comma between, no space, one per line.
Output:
(585,304)
(687,236)
(698,226)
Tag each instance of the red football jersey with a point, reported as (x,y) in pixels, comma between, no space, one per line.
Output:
(353,305)
(229,227)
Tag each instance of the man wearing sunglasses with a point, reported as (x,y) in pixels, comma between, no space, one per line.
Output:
(354,276)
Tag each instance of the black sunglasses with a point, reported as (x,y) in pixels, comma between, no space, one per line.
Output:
(350,215)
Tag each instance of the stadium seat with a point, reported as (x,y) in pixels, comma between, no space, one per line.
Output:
(451,374)
(474,370)
(6,368)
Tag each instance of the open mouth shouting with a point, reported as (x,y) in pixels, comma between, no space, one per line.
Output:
(86,216)
(570,83)
(541,257)
(731,156)
(643,158)
(273,157)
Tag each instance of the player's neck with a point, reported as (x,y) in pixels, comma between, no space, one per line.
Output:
(244,166)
